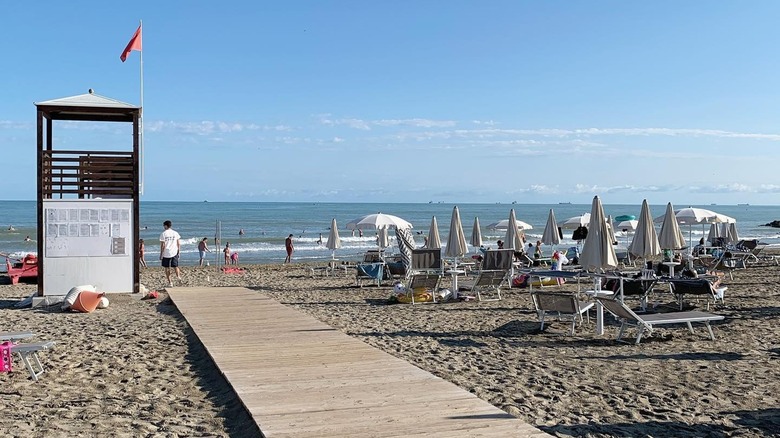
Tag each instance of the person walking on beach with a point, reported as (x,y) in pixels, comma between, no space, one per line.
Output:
(288,246)
(227,253)
(170,247)
(203,248)
(142,253)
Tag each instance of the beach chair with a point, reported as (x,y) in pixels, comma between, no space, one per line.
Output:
(15,336)
(700,286)
(633,287)
(497,260)
(423,282)
(562,305)
(370,271)
(489,281)
(646,323)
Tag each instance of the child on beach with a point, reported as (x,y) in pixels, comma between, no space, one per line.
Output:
(234,258)
(142,253)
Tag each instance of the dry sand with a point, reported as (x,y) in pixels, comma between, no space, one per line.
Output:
(136,369)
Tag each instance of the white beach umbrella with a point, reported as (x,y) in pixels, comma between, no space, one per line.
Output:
(334,241)
(512,239)
(732,234)
(476,234)
(575,222)
(629,225)
(434,241)
(383,238)
(456,241)
(670,236)
(504,224)
(598,254)
(376,221)
(692,216)
(645,243)
(550,236)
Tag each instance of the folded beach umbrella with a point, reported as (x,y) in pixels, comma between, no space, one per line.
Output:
(456,241)
(610,229)
(512,239)
(733,236)
(717,230)
(334,241)
(434,241)
(382,238)
(550,235)
(645,243)
(670,236)
(476,234)
(598,254)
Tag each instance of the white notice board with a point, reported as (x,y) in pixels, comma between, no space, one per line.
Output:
(88,241)
(87,228)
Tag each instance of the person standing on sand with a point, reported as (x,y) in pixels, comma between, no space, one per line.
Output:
(170,247)
(142,253)
(203,248)
(288,246)
(227,253)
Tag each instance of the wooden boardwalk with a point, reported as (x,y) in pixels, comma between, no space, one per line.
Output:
(299,377)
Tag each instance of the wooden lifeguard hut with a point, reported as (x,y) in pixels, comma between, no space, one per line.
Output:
(88,201)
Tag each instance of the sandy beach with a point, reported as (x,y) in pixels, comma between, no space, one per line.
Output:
(136,369)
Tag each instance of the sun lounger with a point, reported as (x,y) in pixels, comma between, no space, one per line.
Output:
(700,286)
(489,280)
(563,305)
(15,336)
(645,323)
(28,352)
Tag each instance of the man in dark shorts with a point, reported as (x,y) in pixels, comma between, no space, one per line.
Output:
(170,246)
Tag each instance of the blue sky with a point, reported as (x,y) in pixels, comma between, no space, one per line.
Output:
(413,101)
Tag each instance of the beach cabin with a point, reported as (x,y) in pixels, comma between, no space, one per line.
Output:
(88,200)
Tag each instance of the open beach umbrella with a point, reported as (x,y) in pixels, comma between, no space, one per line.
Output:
(512,239)
(628,225)
(456,241)
(645,243)
(376,221)
(434,241)
(625,217)
(575,222)
(504,224)
(598,254)
(550,235)
(476,234)
(670,236)
(692,216)
(334,241)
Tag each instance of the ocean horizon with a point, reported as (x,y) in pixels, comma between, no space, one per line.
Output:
(267,224)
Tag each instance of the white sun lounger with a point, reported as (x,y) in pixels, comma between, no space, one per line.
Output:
(15,336)
(29,354)
(645,323)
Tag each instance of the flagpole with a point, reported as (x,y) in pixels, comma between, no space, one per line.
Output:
(141,119)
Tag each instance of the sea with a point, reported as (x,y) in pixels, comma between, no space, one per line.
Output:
(265,225)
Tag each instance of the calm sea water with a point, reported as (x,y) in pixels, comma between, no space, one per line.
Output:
(267,224)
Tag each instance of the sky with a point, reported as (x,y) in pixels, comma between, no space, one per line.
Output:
(411,101)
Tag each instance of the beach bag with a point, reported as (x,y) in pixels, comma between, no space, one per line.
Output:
(5,357)
(520,281)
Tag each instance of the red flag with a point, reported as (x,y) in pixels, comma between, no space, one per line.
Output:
(134,44)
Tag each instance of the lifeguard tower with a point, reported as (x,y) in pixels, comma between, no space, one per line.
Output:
(88,201)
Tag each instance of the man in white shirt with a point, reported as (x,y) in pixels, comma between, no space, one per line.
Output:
(170,245)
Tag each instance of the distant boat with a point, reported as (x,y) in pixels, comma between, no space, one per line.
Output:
(743,205)
(564,203)
(713,204)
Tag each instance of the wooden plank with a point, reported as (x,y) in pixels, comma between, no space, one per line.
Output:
(298,377)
